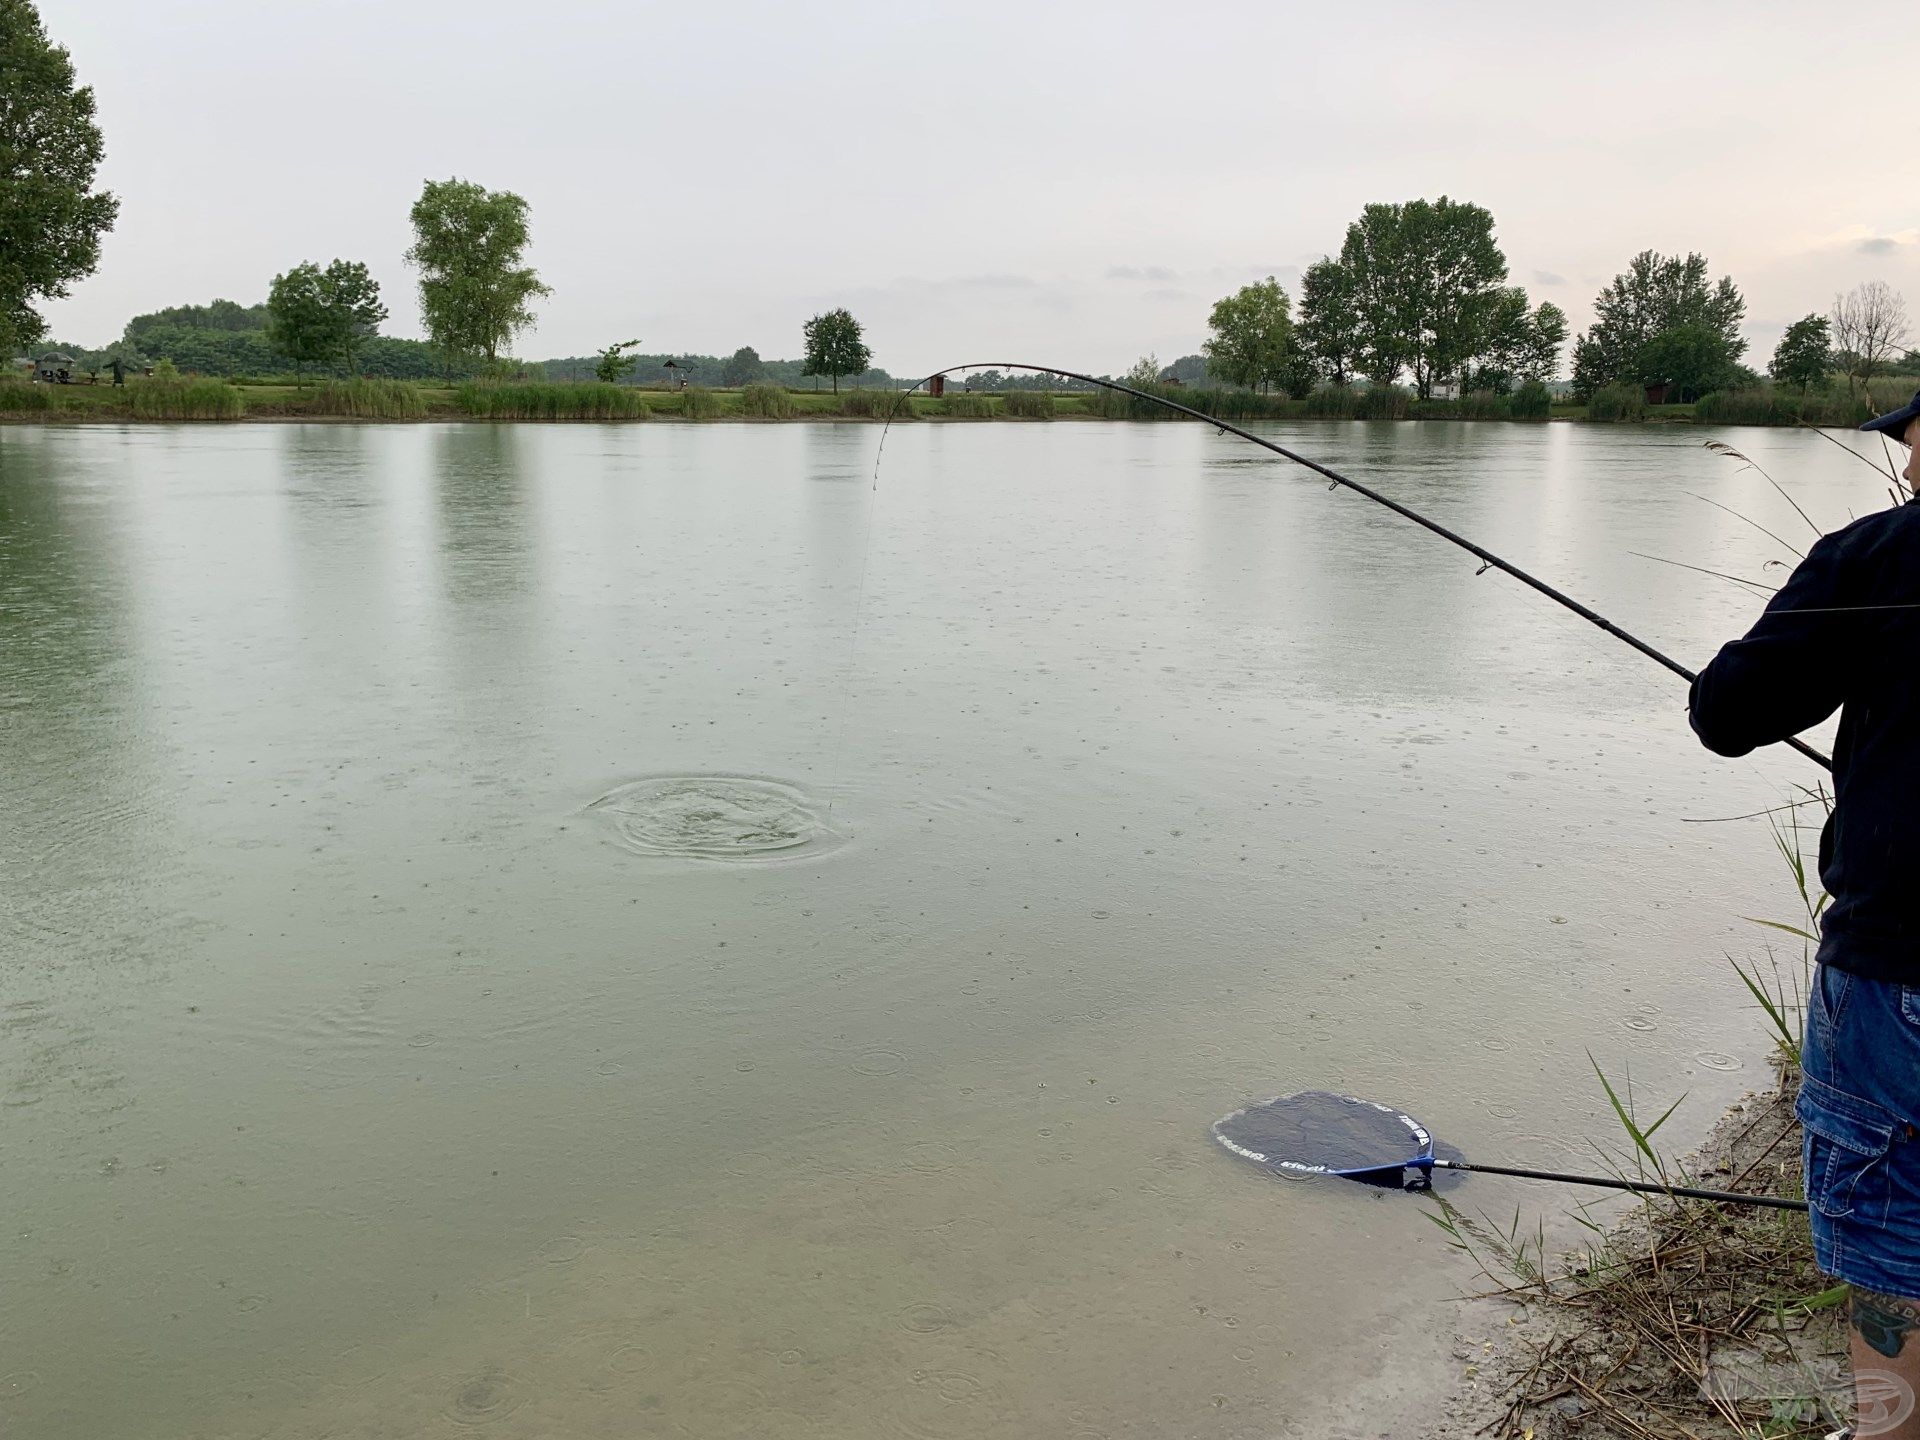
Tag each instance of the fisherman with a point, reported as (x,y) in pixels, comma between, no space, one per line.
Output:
(1844,634)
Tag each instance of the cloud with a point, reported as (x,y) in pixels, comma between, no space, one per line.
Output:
(1865,240)
(1158,273)
(1547,277)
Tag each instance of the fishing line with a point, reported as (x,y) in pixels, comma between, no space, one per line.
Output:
(1489,560)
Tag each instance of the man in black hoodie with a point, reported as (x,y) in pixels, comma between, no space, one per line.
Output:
(1844,634)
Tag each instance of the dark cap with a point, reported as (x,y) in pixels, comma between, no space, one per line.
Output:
(1895,422)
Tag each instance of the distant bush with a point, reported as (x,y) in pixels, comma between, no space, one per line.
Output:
(1028,404)
(366,399)
(967,407)
(1334,402)
(876,405)
(699,403)
(1532,401)
(547,400)
(1384,402)
(1618,402)
(1483,405)
(1774,405)
(766,402)
(165,369)
(23,397)
(158,399)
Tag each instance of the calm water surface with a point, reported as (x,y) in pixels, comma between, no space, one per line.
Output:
(632,931)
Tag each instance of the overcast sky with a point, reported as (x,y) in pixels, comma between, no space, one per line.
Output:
(1066,183)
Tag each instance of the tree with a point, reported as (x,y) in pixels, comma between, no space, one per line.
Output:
(1656,293)
(1539,358)
(1424,278)
(1145,373)
(834,346)
(353,295)
(1869,328)
(300,324)
(1252,336)
(742,367)
(318,316)
(614,364)
(468,245)
(1690,360)
(1805,353)
(51,217)
(1329,327)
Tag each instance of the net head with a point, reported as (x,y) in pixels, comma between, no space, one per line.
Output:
(1319,1133)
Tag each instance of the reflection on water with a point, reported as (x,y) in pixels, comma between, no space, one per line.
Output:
(355,1085)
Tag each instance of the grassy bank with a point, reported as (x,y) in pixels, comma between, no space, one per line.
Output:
(277,398)
(1683,1318)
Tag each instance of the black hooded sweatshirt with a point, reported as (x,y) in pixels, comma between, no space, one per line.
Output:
(1844,634)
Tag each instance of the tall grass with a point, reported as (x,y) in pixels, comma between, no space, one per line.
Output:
(1532,401)
(766,402)
(24,397)
(1028,404)
(364,398)
(1772,405)
(1483,405)
(966,407)
(699,403)
(197,399)
(548,400)
(877,405)
(1618,402)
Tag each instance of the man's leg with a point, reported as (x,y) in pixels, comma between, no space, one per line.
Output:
(1886,1365)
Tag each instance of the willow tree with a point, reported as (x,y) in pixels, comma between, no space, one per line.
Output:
(51,217)
(469,245)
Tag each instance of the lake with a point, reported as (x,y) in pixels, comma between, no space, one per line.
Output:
(592,931)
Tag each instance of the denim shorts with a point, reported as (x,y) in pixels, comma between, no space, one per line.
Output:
(1859,1100)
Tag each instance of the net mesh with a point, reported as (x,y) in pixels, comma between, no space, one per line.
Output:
(1319,1133)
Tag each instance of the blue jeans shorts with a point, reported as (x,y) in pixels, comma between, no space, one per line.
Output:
(1859,1103)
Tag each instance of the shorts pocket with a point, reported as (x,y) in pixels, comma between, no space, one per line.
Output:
(1847,1143)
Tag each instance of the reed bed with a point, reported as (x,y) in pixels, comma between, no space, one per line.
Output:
(1771,405)
(196,399)
(877,405)
(365,398)
(1617,402)
(766,402)
(1028,404)
(1532,401)
(699,403)
(24,397)
(548,400)
(966,407)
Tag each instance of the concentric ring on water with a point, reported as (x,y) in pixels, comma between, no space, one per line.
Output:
(712,817)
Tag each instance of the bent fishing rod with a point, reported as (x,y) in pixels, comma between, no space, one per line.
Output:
(1488,560)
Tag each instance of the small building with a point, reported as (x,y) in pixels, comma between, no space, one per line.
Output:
(54,368)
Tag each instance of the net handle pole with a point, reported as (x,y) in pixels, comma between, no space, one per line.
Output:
(1644,1187)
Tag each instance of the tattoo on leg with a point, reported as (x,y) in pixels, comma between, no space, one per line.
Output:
(1884,1321)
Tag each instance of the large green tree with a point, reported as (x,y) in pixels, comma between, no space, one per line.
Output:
(1425,280)
(835,346)
(51,217)
(1805,353)
(469,245)
(1251,336)
(1329,326)
(742,367)
(317,316)
(1653,295)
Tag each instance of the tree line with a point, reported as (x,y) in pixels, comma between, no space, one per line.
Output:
(1419,292)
